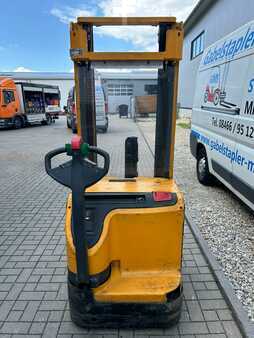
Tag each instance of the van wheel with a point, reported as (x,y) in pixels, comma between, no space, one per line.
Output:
(73,127)
(18,123)
(68,124)
(48,120)
(203,174)
(105,129)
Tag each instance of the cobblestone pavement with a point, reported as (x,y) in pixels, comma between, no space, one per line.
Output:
(33,297)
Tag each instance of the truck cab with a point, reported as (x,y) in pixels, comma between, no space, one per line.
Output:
(9,104)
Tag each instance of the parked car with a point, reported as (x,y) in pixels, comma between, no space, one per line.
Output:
(222,135)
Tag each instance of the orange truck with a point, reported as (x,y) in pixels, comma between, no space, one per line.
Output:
(23,103)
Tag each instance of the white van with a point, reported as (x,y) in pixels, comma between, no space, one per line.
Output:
(100,106)
(222,134)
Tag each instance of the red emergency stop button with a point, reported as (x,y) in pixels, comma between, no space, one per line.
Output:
(162,196)
(76,142)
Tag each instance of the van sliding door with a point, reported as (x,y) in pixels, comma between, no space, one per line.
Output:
(243,165)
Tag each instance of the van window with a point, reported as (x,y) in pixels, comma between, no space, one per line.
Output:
(197,45)
(8,96)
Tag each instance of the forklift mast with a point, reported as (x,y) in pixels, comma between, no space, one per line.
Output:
(167,59)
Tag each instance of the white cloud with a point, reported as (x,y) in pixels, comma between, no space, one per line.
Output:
(179,9)
(67,14)
(141,37)
(22,69)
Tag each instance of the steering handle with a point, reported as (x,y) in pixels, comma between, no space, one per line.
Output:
(50,155)
(102,153)
(90,173)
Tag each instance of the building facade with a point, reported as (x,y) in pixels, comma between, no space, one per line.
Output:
(119,87)
(209,21)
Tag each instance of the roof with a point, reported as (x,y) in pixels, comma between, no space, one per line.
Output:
(200,9)
(125,75)
(6,82)
(38,75)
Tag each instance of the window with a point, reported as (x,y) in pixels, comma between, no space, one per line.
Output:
(197,45)
(120,89)
(8,96)
(151,89)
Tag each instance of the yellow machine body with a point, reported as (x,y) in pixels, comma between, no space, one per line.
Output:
(143,246)
(132,275)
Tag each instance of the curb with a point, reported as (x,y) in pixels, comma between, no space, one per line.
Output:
(239,314)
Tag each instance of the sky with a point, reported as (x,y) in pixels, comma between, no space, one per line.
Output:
(35,33)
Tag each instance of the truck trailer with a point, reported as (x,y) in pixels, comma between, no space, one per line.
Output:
(23,103)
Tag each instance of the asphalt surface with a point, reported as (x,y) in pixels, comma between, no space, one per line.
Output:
(33,295)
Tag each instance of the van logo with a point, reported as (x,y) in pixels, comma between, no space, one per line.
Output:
(251,86)
(215,91)
(229,48)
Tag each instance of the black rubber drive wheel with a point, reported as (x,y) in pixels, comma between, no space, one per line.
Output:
(18,122)
(203,174)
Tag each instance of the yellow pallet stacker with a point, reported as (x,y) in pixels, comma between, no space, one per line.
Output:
(124,236)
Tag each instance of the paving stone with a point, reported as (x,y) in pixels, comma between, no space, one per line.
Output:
(71,328)
(30,311)
(211,285)
(55,316)
(51,330)
(193,328)
(210,315)
(220,335)
(33,288)
(37,328)
(15,327)
(231,329)
(52,305)
(5,308)
(198,286)
(195,311)
(189,292)
(14,316)
(215,327)
(224,314)
(209,294)
(212,304)
(30,295)
(41,316)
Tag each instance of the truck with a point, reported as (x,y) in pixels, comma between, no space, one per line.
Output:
(222,134)
(23,103)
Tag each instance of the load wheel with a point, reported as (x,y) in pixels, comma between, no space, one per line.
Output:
(203,174)
(18,122)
